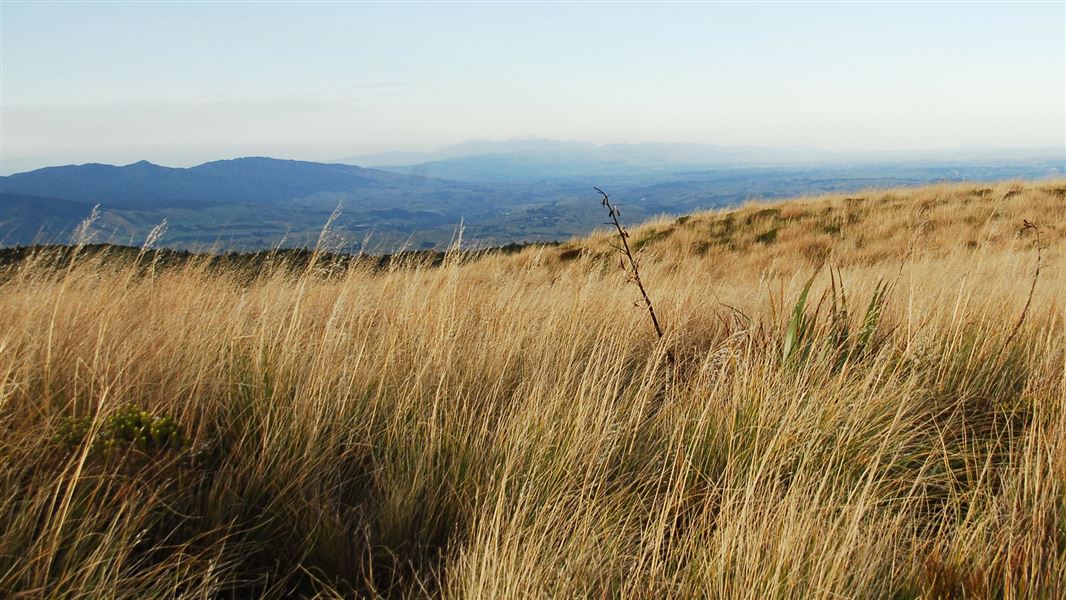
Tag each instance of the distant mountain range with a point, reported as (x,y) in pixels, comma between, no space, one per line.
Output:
(245,202)
(540,160)
(519,191)
(241,181)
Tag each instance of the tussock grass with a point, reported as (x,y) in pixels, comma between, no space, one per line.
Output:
(509,426)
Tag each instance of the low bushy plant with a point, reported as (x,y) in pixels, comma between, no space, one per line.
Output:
(129,427)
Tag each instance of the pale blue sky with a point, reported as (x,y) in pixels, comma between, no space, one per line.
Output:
(183,83)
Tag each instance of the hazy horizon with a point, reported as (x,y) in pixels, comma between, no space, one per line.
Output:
(183,84)
(976,153)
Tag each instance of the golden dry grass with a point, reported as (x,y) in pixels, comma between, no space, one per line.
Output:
(509,426)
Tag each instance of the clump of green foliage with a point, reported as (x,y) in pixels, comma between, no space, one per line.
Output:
(843,341)
(129,427)
(767,237)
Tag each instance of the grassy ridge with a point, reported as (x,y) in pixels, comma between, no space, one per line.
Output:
(509,426)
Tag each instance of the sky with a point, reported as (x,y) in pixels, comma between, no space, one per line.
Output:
(181,83)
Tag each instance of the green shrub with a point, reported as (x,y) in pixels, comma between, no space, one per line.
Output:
(843,340)
(129,427)
(767,237)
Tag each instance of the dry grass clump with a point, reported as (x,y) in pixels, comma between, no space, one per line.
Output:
(510,427)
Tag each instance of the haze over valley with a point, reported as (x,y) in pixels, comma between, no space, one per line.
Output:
(515,191)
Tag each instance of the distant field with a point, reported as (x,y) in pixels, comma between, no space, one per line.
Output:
(507,424)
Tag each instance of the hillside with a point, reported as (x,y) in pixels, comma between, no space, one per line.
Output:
(24,218)
(866,228)
(859,395)
(242,203)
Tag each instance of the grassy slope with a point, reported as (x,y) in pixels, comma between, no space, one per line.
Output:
(508,427)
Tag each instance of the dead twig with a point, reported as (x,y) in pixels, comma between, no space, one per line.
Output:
(632,271)
(1027,226)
